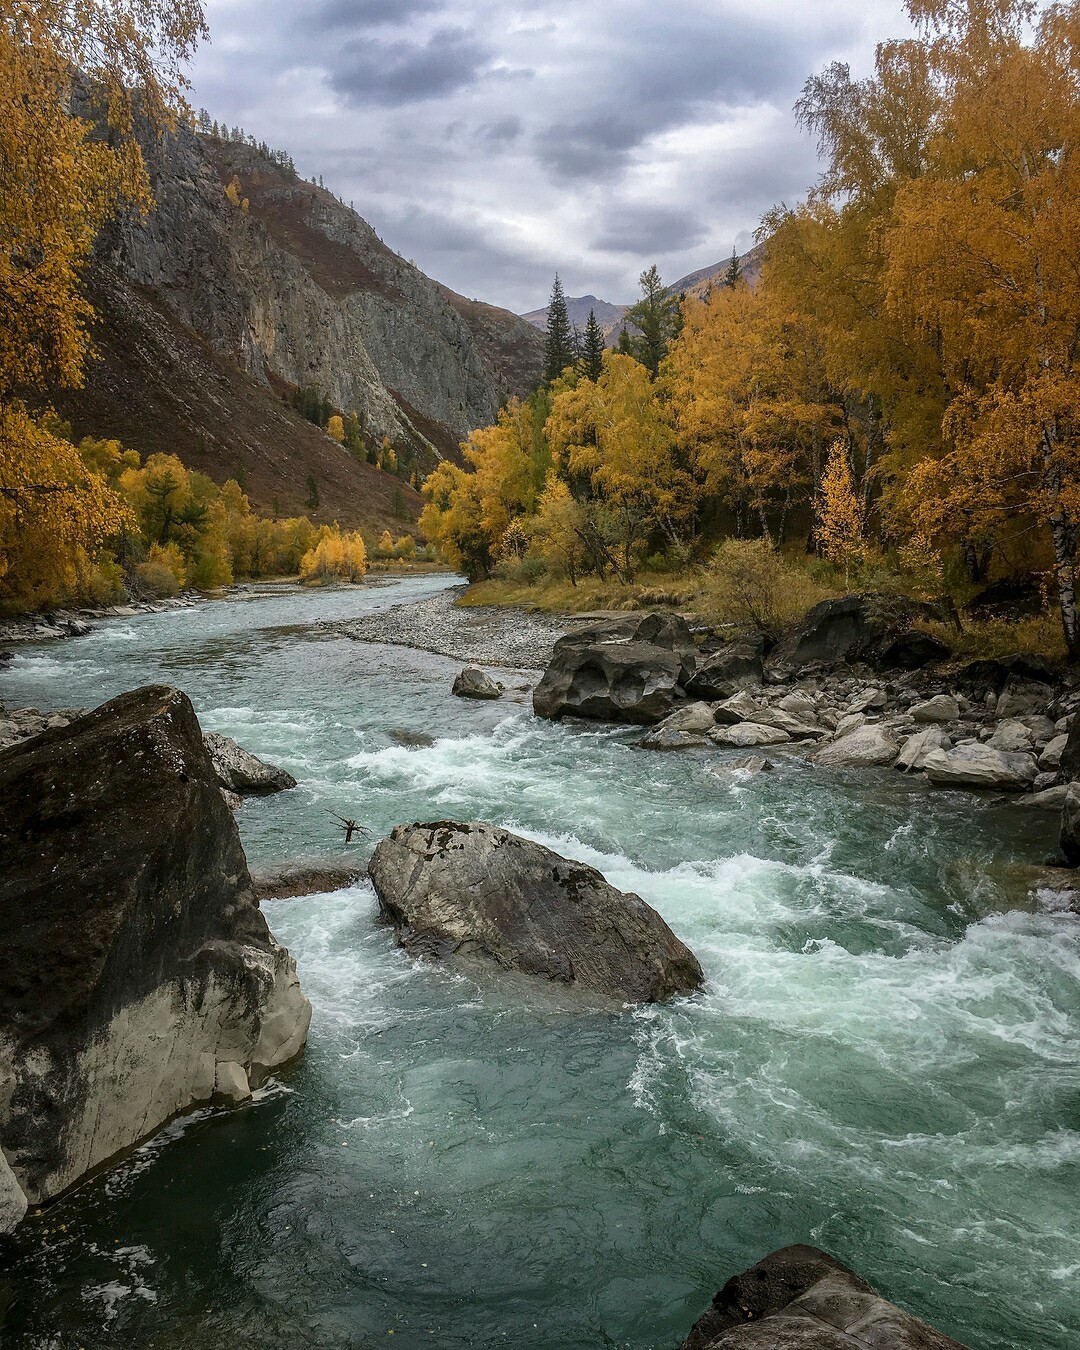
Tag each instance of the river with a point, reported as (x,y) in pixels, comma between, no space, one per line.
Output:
(884,1063)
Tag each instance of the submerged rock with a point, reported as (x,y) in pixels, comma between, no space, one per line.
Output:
(304,878)
(801,1298)
(474,683)
(238,770)
(476,890)
(630,669)
(134,960)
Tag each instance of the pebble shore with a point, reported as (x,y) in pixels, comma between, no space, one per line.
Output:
(485,635)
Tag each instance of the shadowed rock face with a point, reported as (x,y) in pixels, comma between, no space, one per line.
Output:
(622,670)
(477,890)
(137,974)
(800,1298)
(853,628)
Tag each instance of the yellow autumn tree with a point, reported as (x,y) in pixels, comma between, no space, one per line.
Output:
(335,428)
(839,512)
(335,557)
(982,257)
(64,66)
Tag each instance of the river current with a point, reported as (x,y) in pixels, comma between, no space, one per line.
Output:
(884,1062)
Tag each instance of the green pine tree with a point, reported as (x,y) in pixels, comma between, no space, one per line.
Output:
(657,316)
(559,343)
(592,348)
(734,271)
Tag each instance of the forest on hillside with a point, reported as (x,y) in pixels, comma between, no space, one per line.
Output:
(894,404)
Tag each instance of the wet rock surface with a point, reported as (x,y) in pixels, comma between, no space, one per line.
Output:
(801,1298)
(135,961)
(239,771)
(474,891)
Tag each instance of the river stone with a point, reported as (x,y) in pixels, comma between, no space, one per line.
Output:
(1070,825)
(863,748)
(740,707)
(980,766)
(795,727)
(940,708)
(685,727)
(1051,755)
(133,956)
(734,667)
(315,877)
(801,1298)
(1048,799)
(799,705)
(240,771)
(473,683)
(917,746)
(475,890)
(1012,735)
(747,734)
(630,669)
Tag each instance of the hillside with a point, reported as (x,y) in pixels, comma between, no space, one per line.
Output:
(213,312)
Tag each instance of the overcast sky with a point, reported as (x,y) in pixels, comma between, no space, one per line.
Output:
(494,143)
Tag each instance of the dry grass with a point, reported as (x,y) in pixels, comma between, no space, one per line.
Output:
(1040,635)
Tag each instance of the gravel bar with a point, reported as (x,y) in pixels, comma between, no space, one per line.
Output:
(486,635)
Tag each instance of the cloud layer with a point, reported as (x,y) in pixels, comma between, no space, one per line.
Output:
(495,143)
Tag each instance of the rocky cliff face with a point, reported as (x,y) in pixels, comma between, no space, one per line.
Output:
(137,974)
(298,288)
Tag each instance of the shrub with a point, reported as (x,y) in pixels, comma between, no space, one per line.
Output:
(164,572)
(750,584)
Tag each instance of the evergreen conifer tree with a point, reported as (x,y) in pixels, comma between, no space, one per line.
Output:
(559,344)
(734,271)
(658,318)
(592,348)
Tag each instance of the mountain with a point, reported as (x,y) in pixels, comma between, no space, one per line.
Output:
(212,312)
(611,316)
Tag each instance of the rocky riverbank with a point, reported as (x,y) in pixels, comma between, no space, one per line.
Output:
(486,635)
(66,623)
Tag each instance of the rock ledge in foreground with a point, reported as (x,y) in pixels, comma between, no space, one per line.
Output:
(470,889)
(138,977)
(800,1298)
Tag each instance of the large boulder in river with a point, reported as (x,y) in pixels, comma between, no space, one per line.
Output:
(801,1298)
(629,669)
(980,766)
(852,628)
(474,683)
(137,974)
(476,890)
(238,770)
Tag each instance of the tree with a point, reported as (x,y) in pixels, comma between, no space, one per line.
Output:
(559,342)
(656,316)
(335,428)
(839,513)
(733,273)
(592,348)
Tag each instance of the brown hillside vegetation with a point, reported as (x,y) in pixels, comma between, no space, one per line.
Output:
(157,387)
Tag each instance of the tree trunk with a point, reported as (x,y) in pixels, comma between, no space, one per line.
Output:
(1063,530)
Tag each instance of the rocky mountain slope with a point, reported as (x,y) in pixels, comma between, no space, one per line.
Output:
(213,310)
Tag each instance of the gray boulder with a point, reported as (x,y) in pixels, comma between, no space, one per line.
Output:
(1011,734)
(1046,799)
(736,666)
(134,959)
(852,628)
(1051,755)
(473,683)
(747,734)
(800,1298)
(864,747)
(940,708)
(915,749)
(980,766)
(685,727)
(740,707)
(238,770)
(631,669)
(477,891)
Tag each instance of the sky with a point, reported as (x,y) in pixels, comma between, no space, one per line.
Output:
(494,143)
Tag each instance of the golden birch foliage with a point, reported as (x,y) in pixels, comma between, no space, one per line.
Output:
(615,437)
(559,529)
(748,399)
(386,542)
(335,428)
(502,459)
(55,514)
(336,557)
(838,510)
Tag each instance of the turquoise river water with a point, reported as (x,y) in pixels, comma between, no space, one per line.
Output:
(884,1062)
